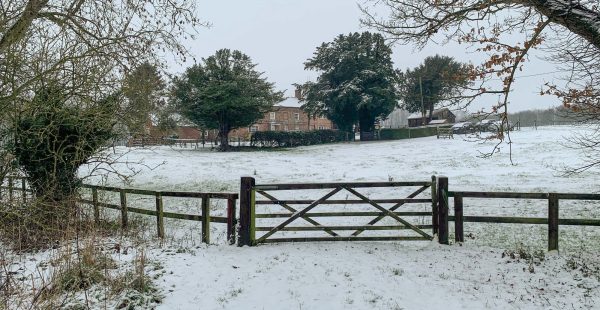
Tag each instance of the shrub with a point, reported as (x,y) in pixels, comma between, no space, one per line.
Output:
(55,138)
(296,138)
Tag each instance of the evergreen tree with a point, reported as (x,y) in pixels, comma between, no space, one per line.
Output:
(144,90)
(225,92)
(357,81)
(439,79)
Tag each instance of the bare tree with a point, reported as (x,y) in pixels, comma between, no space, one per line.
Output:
(506,31)
(87,42)
(88,45)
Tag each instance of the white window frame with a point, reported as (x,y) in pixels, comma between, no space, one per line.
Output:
(272,115)
(297,116)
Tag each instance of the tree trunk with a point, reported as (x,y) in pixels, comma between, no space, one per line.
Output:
(430,114)
(366,124)
(576,17)
(224,137)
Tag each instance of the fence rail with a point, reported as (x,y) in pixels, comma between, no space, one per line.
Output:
(205,217)
(552,220)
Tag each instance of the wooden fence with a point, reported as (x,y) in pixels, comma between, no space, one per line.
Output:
(204,217)
(248,215)
(552,220)
(439,213)
(445,133)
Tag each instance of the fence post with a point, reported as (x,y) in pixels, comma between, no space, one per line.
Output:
(95,205)
(231,220)
(434,207)
(24,189)
(206,219)
(10,188)
(160,222)
(246,211)
(442,190)
(123,208)
(459,233)
(552,222)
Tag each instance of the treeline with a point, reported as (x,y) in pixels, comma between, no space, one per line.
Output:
(542,117)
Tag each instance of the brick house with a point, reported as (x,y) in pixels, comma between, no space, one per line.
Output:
(286,116)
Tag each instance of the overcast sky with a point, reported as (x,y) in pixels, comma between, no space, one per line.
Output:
(280,35)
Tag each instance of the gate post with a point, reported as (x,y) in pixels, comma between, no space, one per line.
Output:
(442,190)
(552,222)
(434,206)
(246,236)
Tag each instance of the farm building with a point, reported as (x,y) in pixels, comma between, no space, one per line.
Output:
(397,119)
(439,117)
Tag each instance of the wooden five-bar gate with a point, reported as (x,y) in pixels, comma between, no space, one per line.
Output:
(294,210)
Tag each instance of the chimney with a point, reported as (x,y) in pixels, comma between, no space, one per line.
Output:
(298,93)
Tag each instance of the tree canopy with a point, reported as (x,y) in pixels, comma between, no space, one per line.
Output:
(357,80)
(224,92)
(439,79)
(144,90)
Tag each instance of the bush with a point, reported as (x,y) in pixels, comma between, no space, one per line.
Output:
(407,133)
(54,138)
(296,138)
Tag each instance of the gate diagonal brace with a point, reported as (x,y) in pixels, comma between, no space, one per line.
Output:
(393,208)
(287,207)
(388,212)
(298,214)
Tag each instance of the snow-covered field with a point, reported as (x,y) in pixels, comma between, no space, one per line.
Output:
(483,273)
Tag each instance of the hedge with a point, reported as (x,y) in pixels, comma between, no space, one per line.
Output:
(407,133)
(295,138)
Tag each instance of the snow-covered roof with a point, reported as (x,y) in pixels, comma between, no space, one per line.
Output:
(438,121)
(291,102)
(419,115)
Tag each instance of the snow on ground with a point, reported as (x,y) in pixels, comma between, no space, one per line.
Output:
(536,154)
(381,275)
(370,276)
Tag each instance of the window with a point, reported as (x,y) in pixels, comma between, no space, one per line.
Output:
(321,127)
(272,115)
(272,126)
(297,116)
(254,128)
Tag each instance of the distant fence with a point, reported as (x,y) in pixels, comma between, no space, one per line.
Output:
(158,211)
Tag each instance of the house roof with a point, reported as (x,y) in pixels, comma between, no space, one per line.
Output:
(291,102)
(435,112)
(438,121)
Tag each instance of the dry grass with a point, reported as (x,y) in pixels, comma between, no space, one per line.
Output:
(86,264)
